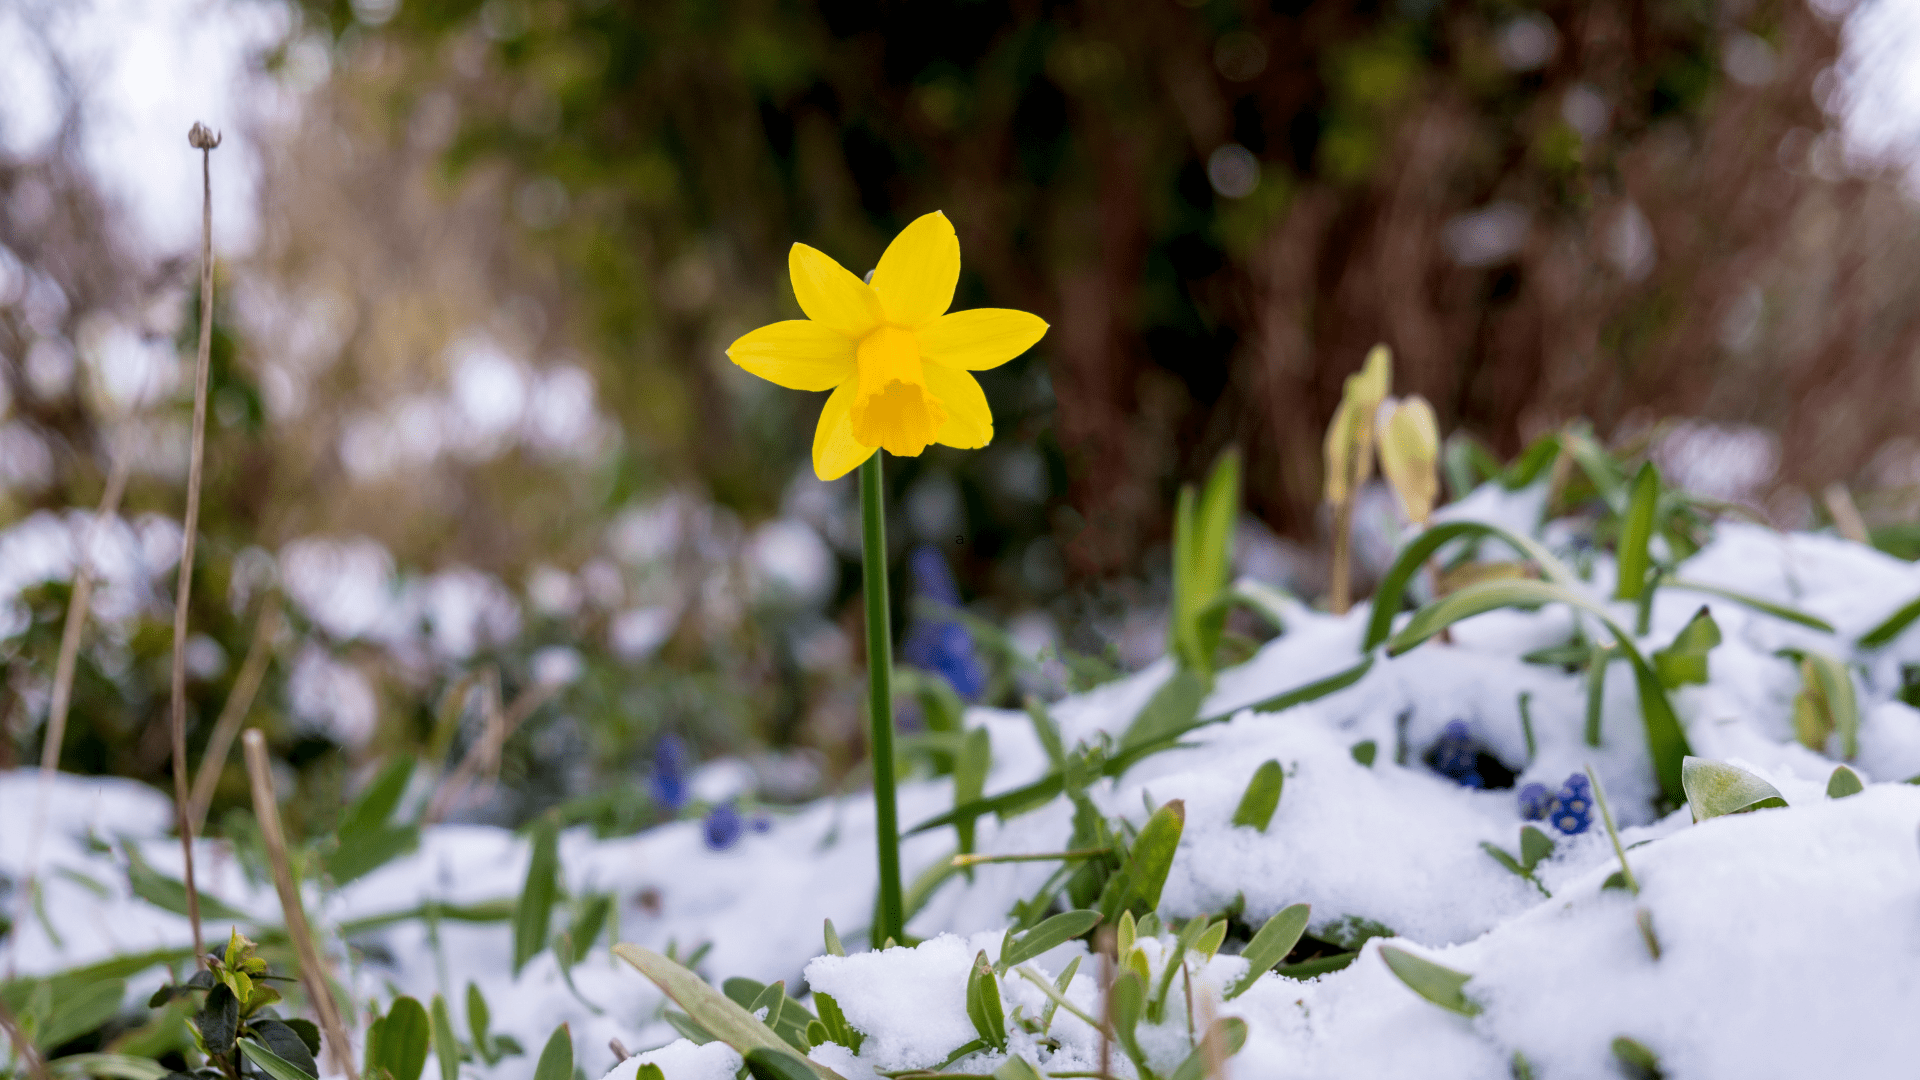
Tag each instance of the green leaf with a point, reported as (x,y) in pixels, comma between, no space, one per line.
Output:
(1778,611)
(1262,796)
(309,1033)
(1534,846)
(405,1036)
(1209,943)
(1152,854)
(110,1066)
(1054,932)
(169,894)
(361,853)
(1365,751)
(1532,462)
(1835,694)
(835,1021)
(1312,691)
(1636,1060)
(970,769)
(587,924)
(286,1044)
(374,807)
(1598,657)
(1170,711)
(1844,782)
(270,1063)
(1438,984)
(1270,945)
(766,1064)
(1467,464)
(534,912)
(1223,1039)
(1598,465)
(1715,789)
(983,1003)
(446,1045)
(479,1019)
(1016,1068)
(1636,533)
(1126,1002)
(556,1061)
(218,1020)
(1892,626)
(1412,560)
(1666,740)
(649,1071)
(1685,659)
(77,1011)
(834,948)
(709,1008)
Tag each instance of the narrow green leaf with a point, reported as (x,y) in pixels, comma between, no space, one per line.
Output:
(1209,943)
(1060,985)
(1223,1039)
(970,769)
(765,1064)
(77,1012)
(1170,711)
(1778,611)
(1844,782)
(1054,932)
(1613,833)
(1467,464)
(405,1036)
(374,807)
(1126,1003)
(1892,626)
(834,948)
(270,1063)
(1836,692)
(1715,789)
(1598,657)
(710,1009)
(983,1003)
(1532,461)
(169,894)
(534,913)
(1152,854)
(556,1061)
(1598,465)
(479,1019)
(1389,597)
(446,1045)
(835,1021)
(590,919)
(1271,944)
(1262,796)
(1638,1061)
(360,853)
(287,1044)
(1636,533)
(1438,984)
(1314,690)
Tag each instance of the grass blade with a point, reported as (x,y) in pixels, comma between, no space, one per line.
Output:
(1636,534)
(1270,945)
(708,1007)
(1437,983)
(1262,797)
(1389,597)
(534,913)
(1778,611)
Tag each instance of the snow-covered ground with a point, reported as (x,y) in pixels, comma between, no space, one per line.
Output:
(1788,940)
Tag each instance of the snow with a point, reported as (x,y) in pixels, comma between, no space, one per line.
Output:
(1786,936)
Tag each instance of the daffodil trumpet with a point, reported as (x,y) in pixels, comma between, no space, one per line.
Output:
(900,367)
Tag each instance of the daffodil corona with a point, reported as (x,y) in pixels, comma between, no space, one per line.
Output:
(898,362)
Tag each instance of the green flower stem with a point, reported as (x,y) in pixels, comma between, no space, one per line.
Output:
(891,921)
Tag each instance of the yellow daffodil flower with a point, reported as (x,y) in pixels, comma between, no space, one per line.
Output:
(896,359)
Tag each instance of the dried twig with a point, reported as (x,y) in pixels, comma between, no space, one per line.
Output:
(22,1046)
(484,754)
(245,685)
(204,141)
(77,605)
(314,974)
(1846,516)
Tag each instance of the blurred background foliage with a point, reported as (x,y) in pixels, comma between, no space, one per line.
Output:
(472,413)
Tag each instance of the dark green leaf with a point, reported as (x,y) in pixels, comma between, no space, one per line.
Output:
(1365,751)
(835,1021)
(1892,626)
(1684,661)
(374,807)
(650,1071)
(556,1061)
(765,1064)
(1534,846)
(1844,782)
(361,853)
(218,1020)
(1262,796)
(1637,1061)
(534,912)
(446,1045)
(479,1019)
(1170,711)
(405,1036)
(1411,561)
(1636,532)
(1270,945)
(271,1063)
(1056,931)
(970,769)
(1532,461)
(983,1003)
(587,924)
(287,1044)
(1126,1004)
(1152,855)
(1438,984)
(1312,691)
(169,894)
(1319,965)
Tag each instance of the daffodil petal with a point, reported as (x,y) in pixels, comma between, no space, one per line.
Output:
(969,423)
(918,271)
(797,354)
(835,451)
(830,295)
(979,339)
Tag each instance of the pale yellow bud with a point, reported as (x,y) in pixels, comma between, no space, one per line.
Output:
(1350,435)
(1410,455)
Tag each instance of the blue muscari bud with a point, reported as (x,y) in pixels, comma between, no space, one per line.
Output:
(1457,756)
(668,780)
(762,822)
(942,645)
(1535,802)
(1572,809)
(722,827)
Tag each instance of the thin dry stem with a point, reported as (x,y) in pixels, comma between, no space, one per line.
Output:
(77,606)
(253,671)
(1846,515)
(22,1046)
(1340,596)
(484,754)
(314,973)
(203,141)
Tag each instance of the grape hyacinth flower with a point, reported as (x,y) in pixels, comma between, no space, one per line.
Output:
(1535,802)
(668,780)
(1573,806)
(941,645)
(1457,756)
(722,827)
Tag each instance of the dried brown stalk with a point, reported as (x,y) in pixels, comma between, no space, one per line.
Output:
(484,755)
(77,606)
(23,1047)
(204,141)
(314,974)
(253,671)
(1846,515)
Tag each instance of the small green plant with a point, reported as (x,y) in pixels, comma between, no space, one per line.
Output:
(234,1022)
